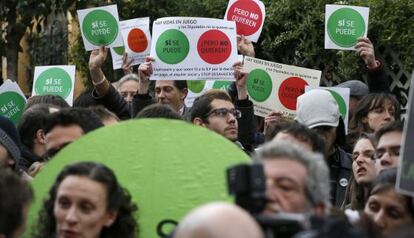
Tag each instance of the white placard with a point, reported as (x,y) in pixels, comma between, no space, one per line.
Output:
(137,39)
(12,101)
(344,25)
(188,48)
(249,17)
(341,96)
(100,27)
(273,86)
(117,54)
(197,88)
(55,80)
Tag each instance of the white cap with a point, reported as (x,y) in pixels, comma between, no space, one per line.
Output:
(317,107)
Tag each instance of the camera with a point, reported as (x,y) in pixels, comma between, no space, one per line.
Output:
(247,183)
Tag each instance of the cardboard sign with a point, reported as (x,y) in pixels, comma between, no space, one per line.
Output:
(273,86)
(100,27)
(55,80)
(405,177)
(12,101)
(249,16)
(165,179)
(341,96)
(117,54)
(137,39)
(188,48)
(344,25)
(197,88)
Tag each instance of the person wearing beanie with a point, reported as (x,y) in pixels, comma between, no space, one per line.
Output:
(9,144)
(318,110)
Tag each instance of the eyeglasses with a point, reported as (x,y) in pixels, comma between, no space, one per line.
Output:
(223,113)
(392,151)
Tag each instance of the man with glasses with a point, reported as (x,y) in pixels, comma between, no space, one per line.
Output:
(387,151)
(216,111)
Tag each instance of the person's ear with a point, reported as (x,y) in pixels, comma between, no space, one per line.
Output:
(184,93)
(41,136)
(110,217)
(198,121)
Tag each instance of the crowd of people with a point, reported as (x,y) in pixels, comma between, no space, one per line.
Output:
(312,166)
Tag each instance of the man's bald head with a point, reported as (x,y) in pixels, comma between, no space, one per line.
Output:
(218,220)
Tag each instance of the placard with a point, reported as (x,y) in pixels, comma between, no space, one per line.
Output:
(100,27)
(197,88)
(405,177)
(12,101)
(188,48)
(344,25)
(137,39)
(117,54)
(249,16)
(55,80)
(273,86)
(341,96)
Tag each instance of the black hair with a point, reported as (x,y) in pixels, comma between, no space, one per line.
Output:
(118,199)
(55,100)
(82,117)
(159,111)
(202,105)
(389,127)
(180,84)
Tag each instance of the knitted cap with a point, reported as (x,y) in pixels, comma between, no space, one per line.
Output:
(317,107)
(356,87)
(10,138)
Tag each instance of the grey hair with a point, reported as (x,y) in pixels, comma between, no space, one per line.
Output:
(128,77)
(317,188)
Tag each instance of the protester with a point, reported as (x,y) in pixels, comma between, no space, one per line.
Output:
(10,145)
(31,128)
(107,117)
(296,133)
(128,87)
(386,206)
(364,173)
(15,198)
(86,200)
(297,180)
(387,151)
(318,110)
(218,220)
(159,111)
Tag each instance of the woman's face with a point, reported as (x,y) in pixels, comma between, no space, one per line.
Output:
(380,116)
(80,208)
(363,165)
(387,209)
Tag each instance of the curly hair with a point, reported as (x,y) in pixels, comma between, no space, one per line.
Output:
(119,199)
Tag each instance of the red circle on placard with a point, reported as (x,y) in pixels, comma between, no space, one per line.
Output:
(247,15)
(290,90)
(137,40)
(214,47)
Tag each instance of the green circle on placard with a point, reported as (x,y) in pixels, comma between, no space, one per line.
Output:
(341,103)
(222,85)
(54,81)
(259,85)
(172,46)
(12,105)
(345,26)
(119,50)
(100,27)
(165,178)
(196,86)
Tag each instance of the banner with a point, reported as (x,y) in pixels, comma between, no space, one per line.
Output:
(273,86)
(188,48)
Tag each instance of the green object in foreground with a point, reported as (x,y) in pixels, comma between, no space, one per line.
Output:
(168,166)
